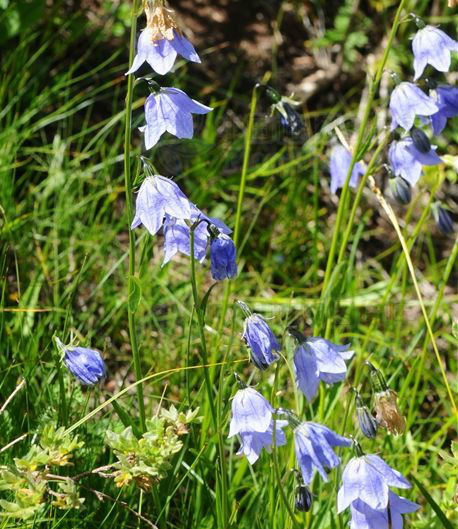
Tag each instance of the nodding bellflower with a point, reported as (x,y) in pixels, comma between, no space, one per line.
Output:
(260,339)
(338,167)
(170,110)
(318,359)
(443,220)
(314,444)
(252,420)
(85,364)
(177,235)
(159,196)
(447,101)
(432,46)
(407,161)
(408,101)
(364,517)
(161,53)
(367,478)
(161,41)
(222,256)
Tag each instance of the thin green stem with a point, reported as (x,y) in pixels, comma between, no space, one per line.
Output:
(238,214)
(208,384)
(359,143)
(130,213)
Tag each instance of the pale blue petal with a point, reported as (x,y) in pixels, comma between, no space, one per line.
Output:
(306,370)
(392,477)
(161,56)
(251,412)
(184,47)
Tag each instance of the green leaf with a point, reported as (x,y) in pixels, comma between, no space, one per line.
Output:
(135,293)
(440,513)
(125,418)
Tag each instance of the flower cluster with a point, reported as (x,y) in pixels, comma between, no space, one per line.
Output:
(160,202)
(412,112)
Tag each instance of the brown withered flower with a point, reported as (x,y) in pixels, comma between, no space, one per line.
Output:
(387,412)
(160,20)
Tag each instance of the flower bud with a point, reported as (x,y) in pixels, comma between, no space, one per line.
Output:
(304,498)
(401,190)
(85,364)
(366,421)
(222,256)
(420,140)
(443,219)
(290,119)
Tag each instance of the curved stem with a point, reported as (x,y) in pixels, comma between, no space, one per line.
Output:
(130,212)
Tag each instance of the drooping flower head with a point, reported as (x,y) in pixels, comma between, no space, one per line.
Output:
(313,445)
(364,517)
(407,161)
(222,256)
(177,237)
(339,164)
(85,364)
(408,101)
(446,97)
(170,110)
(289,117)
(401,189)
(260,339)
(161,41)
(159,196)
(252,421)
(367,478)
(304,498)
(366,420)
(432,46)
(318,359)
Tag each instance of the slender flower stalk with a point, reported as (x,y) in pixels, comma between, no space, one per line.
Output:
(130,214)
(359,142)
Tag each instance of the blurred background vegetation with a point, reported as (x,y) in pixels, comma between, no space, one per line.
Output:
(64,240)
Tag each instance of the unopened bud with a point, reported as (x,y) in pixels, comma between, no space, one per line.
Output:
(401,190)
(366,420)
(420,140)
(443,219)
(304,498)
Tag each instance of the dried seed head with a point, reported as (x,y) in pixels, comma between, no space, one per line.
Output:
(160,21)
(387,412)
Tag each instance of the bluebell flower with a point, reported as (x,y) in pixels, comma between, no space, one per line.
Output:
(252,420)
(319,359)
(443,220)
(160,54)
(314,444)
(432,46)
(407,161)
(159,196)
(447,101)
(177,237)
(85,364)
(408,101)
(170,110)
(368,478)
(401,189)
(304,499)
(364,517)
(259,338)
(366,420)
(338,167)
(222,256)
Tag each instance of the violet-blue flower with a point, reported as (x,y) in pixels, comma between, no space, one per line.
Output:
(447,101)
(161,53)
(177,235)
(314,444)
(252,420)
(338,167)
(259,338)
(85,364)
(408,101)
(254,442)
(432,46)
(159,196)
(222,256)
(407,161)
(170,110)
(368,478)
(364,517)
(318,359)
